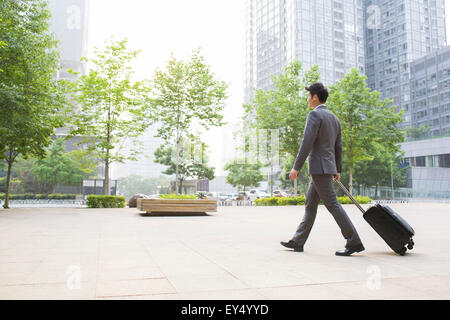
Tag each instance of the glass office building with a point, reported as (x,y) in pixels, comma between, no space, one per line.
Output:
(329,33)
(397,33)
(430,93)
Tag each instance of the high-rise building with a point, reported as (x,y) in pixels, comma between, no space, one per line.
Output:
(329,33)
(430,93)
(397,33)
(70,25)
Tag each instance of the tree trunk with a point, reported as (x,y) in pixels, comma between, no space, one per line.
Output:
(177,161)
(376,191)
(271,179)
(108,141)
(106,183)
(350,181)
(8,181)
(180,187)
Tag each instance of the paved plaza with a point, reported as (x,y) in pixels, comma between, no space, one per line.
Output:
(235,253)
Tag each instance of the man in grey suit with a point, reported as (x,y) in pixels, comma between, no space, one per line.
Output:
(322,144)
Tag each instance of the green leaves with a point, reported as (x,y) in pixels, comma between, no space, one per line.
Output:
(241,173)
(369,126)
(32,103)
(192,160)
(187,93)
(111,110)
(187,97)
(58,167)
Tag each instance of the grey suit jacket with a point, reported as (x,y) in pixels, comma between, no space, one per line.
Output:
(322,142)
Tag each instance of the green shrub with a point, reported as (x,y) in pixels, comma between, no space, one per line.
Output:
(180,196)
(286,201)
(30,196)
(360,199)
(259,202)
(95,201)
(301,201)
(57,196)
(273,201)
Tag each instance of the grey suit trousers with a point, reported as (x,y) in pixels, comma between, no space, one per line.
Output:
(321,187)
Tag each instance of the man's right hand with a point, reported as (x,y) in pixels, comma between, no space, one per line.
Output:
(337,177)
(293,175)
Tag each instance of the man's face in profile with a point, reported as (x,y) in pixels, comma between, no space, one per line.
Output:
(311,100)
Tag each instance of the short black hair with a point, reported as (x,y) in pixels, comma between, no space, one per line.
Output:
(319,89)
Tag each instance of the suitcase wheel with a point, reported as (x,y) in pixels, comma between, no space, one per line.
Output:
(411,244)
(402,251)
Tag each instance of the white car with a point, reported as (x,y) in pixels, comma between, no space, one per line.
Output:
(258,194)
(217,195)
(263,194)
(253,194)
(279,193)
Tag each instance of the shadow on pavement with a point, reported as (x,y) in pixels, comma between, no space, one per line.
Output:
(174,214)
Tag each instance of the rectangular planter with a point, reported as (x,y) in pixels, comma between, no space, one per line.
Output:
(176,205)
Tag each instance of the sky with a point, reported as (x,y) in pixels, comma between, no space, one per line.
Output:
(162,27)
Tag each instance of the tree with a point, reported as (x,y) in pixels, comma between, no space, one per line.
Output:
(113,110)
(57,168)
(31,101)
(186,97)
(284,108)
(192,161)
(243,174)
(416,133)
(379,171)
(368,124)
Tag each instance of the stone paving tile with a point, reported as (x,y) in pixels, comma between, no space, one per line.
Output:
(196,283)
(133,287)
(111,273)
(47,292)
(234,253)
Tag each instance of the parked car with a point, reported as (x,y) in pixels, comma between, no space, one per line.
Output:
(243,196)
(258,194)
(262,194)
(212,195)
(253,194)
(234,196)
(279,193)
(216,195)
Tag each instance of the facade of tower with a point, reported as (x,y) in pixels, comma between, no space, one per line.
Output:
(70,25)
(397,33)
(329,33)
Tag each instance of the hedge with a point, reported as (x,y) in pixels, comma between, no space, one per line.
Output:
(95,201)
(180,196)
(360,199)
(31,196)
(301,200)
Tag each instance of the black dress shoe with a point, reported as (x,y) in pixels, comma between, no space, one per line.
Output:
(350,250)
(292,245)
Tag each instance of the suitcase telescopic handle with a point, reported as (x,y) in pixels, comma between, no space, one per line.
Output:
(350,196)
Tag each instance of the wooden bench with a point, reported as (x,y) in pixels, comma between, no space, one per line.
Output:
(176,206)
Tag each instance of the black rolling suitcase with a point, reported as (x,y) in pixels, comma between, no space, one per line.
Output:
(394,230)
